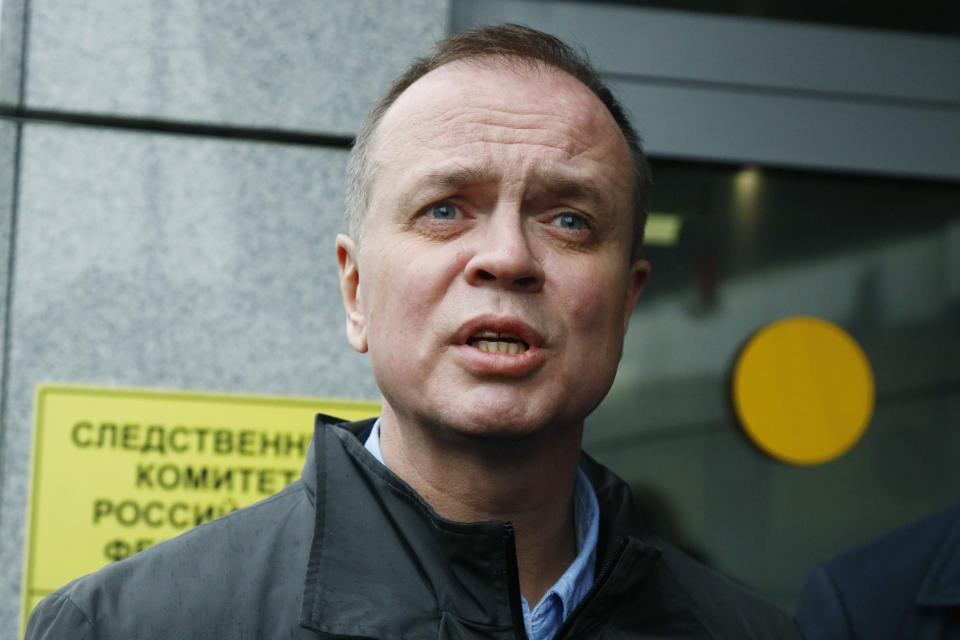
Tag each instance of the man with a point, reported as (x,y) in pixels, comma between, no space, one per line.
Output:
(496,197)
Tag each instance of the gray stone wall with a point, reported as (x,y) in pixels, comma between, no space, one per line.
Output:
(143,256)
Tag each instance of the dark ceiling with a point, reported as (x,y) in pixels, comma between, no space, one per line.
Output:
(940,17)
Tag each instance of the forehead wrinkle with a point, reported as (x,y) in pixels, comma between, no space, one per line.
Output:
(489,125)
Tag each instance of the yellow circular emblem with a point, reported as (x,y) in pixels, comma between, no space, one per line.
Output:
(803,390)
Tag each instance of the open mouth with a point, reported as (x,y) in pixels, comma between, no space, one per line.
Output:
(497,342)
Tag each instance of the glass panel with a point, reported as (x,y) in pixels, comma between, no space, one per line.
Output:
(880,257)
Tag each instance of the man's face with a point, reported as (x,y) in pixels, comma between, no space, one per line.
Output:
(494,282)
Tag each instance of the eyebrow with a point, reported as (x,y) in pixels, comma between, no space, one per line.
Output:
(460,176)
(571,189)
(444,179)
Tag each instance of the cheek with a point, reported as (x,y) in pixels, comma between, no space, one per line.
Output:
(595,302)
(403,303)
(393,322)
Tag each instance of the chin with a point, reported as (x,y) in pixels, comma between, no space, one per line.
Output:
(497,424)
(492,430)
(493,412)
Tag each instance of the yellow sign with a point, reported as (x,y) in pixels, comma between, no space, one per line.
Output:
(118,470)
(803,390)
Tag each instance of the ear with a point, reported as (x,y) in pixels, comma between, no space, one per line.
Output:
(347,256)
(639,274)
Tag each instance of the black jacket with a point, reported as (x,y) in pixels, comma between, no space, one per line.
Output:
(351,551)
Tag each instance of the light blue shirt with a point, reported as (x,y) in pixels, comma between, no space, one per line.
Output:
(560,600)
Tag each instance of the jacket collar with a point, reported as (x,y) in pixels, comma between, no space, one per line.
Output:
(308,475)
(383,564)
(941,585)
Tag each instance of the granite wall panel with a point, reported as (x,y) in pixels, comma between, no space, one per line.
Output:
(298,64)
(169,262)
(174,261)
(9,133)
(12,21)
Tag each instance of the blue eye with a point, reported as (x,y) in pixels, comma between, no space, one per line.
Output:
(569,221)
(442,211)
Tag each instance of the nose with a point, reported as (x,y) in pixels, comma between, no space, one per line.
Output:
(502,256)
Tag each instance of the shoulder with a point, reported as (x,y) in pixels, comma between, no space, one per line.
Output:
(57,616)
(725,608)
(904,553)
(879,587)
(681,593)
(221,573)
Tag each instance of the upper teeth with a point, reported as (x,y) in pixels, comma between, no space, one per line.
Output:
(495,342)
(500,346)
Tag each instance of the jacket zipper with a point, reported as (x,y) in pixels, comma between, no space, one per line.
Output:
(513,582)
(591,594)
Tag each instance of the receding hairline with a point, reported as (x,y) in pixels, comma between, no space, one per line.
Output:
(515,48)
(510,63)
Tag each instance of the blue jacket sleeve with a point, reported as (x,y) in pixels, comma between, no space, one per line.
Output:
(822,612)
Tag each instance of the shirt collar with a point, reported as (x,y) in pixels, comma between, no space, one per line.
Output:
(564,596)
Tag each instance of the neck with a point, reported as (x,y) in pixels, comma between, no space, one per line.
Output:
(526,480)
